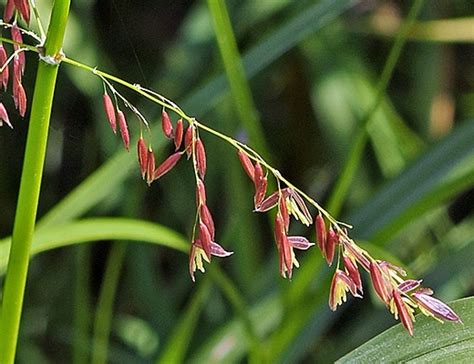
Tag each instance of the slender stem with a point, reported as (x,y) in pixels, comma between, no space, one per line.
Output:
(103,315)
(82,307)
(15,280)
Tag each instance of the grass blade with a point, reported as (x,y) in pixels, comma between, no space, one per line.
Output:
(446,343)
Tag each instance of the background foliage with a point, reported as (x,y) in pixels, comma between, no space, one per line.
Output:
(313,70)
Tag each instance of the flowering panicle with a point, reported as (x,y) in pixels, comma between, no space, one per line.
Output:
(402,296)
(188,142)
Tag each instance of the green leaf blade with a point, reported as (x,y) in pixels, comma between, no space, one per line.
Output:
(432,341)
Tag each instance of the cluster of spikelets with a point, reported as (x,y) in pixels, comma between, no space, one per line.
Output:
(19,62)
(402,296)
(187,142)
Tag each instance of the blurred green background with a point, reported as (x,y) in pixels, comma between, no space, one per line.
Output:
(314,69)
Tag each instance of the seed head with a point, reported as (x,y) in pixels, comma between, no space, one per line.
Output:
(331,242)
(166,124)
(321,234)
(24,9)
(178,135)
(206,240)
(299,242)
(110,111)
(9,10)
(260,191)
(284,248)
(200,192)
(207,220)
(150,167)
(4,116)
(403,311)
(18,38)
(19,97)
(431,306)
(167,165)
(284,212)
(247,164)
(379,283)
(142,153)
(188,141)
(4,75)
(123,129)
(200,158)
(340,285)
(353,272)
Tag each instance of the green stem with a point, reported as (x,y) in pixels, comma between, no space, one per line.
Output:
(357,148)
(103,316)
(15,280)
(82,307)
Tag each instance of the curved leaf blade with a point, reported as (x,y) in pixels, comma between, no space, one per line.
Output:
(449,342)
(89,230)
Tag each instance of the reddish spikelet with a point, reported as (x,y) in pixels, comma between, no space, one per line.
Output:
(123,129)
(321,233)
(258,175)
(286,256)
(200,192)
(178,135)
(269,203)
(331,242)
(355,252)
(9,10)
(260,192)
(142,156)
(17,74)
(434,306)
(18,38)
(284,212)
(4,75)
(24,9)
(341,283)
(22,102)
(201,158)
(299,242)
(219,251)
(192,262)
(166,124)
(167,165)
(110,111)
(188,141)
(379,282)
(19,97)
(4,116)
(150,167)
(205,238)
(302,207)
(260,183)
(409,285)
(402,310)
(247,164)
(353,272)
(207,219)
